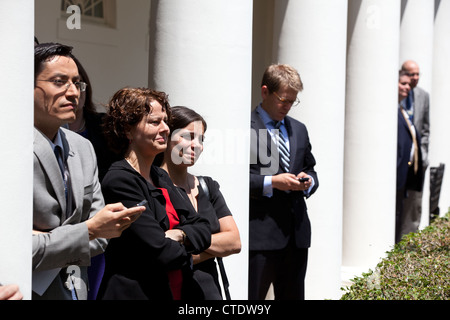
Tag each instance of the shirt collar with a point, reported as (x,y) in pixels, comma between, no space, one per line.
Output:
(58,142)
(268,121)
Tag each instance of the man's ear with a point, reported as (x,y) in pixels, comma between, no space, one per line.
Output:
(264,92)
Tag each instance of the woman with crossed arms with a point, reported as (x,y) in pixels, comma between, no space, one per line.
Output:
(187,129)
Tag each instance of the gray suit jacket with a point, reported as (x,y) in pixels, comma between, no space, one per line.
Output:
(65,246)
(422,121)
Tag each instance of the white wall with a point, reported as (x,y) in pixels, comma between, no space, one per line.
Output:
(113,57)
(311,36)
(371,133)
(16,139)
(203,61)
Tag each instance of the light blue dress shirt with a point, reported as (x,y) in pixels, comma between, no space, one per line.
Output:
(269,123)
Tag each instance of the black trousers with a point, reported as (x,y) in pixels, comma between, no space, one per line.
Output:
(285,269)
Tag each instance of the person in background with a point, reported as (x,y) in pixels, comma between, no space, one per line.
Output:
(279,228)
(409,156)
(70,220)
(88,123)
(417,106)
(187,130)
(152,259)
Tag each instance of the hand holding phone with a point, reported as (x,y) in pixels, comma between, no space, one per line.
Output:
(142,203)
(303,179)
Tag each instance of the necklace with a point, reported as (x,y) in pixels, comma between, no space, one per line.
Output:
(130,162)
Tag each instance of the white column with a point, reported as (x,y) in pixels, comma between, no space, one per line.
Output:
(200,54)
(311,36)
(370,134)
(439,104)
(416,43)
(16,139)
(416,37)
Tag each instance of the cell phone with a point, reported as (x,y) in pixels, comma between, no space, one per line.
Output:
(142,203)
(303,179)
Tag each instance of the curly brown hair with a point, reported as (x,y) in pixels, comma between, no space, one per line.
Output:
(125,110)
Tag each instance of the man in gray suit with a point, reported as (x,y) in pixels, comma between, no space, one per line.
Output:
(70,220)
(418,107)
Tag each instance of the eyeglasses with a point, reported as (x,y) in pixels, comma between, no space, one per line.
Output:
(412,74)
(81,86)
(294,103)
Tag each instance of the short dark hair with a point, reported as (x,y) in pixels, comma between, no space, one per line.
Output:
(46,51)
(182,116)
(402,72)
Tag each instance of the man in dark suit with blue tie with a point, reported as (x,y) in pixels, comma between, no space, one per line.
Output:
(282,175)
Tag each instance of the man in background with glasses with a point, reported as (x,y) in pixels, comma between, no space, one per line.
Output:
(279,228)
(70,220)
(417,105)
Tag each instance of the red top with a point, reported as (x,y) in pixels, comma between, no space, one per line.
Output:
(175,276)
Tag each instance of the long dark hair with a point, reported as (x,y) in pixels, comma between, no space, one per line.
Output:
(89,106)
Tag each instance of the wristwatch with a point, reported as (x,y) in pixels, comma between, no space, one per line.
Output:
(184,237)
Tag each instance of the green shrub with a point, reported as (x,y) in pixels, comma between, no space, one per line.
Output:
(417,268)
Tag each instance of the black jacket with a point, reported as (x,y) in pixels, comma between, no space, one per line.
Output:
(283,217)
(138,261)
(406,178)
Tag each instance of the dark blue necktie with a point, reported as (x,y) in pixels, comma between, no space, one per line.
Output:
(410,105)
(59,158)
